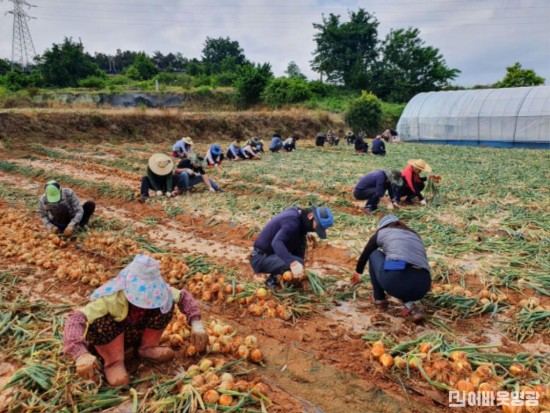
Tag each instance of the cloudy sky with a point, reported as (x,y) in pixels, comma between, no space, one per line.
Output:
(479,37)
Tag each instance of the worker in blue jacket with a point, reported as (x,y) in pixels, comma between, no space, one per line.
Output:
(373,186)
(281,246)
(276,143)
(378,146)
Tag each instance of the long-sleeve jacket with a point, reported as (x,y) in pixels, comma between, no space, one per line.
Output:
(378,146)
(412,180)
(182,149)
(70,200)
(380,182)
(162,183)
(276,143)
(284,235)
(235,149)
(397,244)
(115,305)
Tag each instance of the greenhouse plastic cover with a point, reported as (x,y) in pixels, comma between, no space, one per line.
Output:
(494,117)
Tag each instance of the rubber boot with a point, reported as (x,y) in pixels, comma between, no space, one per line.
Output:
(149,348)
(113,362)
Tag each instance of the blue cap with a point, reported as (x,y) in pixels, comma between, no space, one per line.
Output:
(216,150)
(324,219)
(388,219)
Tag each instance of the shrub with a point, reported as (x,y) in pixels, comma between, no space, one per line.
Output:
(319,88)
(203,91)
(174,79)
(93,82)
(251,82)
(283,91)
(365,114)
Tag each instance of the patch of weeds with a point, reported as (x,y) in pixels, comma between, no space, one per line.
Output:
(150,221)
(173,210)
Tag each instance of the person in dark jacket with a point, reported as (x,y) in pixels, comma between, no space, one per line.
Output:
(333,138)
(61,212)
(350,138)
(289,144)
(159,176)
(413,182)
(282,243)
(400,268)
(276,143)
(378,146)
(320,140)
(235,152)
(190,172)
(360,145)
(373,186)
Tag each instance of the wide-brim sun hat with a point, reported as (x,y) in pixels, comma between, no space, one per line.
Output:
(216,150)
(388,219)
(187,140)
(324,219)
(161,164)
(420,164)
(394,176)
(142,284)
(53,191)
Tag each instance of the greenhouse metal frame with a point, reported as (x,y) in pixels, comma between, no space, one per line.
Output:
(509,117)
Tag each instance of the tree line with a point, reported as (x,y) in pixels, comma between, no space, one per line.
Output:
(348,56)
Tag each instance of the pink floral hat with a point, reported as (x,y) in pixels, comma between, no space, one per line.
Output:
(142,284)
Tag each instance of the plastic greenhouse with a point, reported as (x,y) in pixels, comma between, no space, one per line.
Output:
(512,117)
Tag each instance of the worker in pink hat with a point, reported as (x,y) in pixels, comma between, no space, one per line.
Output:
(132,310)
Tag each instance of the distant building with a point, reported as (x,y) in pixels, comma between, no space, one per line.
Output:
(508,117)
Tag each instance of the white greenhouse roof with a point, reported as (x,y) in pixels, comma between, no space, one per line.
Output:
(500,117)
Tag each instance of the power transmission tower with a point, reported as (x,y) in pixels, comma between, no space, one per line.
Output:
(22,47)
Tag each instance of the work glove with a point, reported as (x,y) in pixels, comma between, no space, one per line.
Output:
(54,230)
(356,278)
(86,365)
(198,337)
(68,231)
(168,194)
(423,202)
(159,193)
(297,270)
(211,189)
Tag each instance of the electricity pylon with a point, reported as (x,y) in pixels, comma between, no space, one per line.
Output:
(22,47)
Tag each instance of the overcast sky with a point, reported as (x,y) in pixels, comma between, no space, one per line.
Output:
(479,37)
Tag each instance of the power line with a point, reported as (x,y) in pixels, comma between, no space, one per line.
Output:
(22,46)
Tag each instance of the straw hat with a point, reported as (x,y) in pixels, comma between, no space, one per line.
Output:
(187,140)
(160,164)
(420,164)
(142,283)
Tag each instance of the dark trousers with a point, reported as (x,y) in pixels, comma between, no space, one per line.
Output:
(381,153)
(185,182)
(240,155)
(368,195)
(410,284)
(62,216)
(146,186)
(270,264)
(289,147)
(406,191)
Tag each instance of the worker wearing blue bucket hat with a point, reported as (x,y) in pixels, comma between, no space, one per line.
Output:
(214,155)
(281,245)
(398,266)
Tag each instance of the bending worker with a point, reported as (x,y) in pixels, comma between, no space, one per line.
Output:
(282,243)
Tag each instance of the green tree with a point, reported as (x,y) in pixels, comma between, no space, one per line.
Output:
(518,77)
(294,72)
(346,52)
(365,113)
(408,67)
(251,81)
(143,68)
(65,64)
(5,66)
(284,91)
(222,54)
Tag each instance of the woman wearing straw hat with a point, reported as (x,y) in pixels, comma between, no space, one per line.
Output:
(183,148)
(414,183)
(132,310)
(399,269)
(214,156)
(159,176)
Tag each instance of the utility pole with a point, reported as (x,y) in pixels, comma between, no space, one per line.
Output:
(22,47)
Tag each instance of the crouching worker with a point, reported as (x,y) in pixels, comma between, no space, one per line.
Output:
(214,156)
(191,172)
(160,176)
(282,243)
(399,269)
(130,311)
(61,212)
(373,186)
(414,183)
